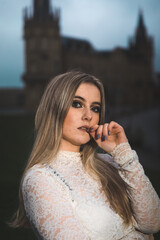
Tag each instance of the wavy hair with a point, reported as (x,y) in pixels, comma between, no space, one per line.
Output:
(52,110)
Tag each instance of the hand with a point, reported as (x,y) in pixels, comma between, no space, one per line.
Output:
(108,136)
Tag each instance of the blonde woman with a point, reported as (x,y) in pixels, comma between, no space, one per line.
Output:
(68,192)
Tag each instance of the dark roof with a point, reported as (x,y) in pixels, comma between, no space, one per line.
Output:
(76,44)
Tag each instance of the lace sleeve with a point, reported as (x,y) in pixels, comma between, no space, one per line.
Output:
(49,207)
(145,201)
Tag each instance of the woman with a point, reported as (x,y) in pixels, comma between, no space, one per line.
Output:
(70,192)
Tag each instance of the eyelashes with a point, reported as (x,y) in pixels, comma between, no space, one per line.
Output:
(96,109)
(78,104)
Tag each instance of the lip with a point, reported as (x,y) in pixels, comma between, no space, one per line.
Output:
(84,128)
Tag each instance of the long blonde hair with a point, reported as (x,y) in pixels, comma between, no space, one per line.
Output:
(49,119)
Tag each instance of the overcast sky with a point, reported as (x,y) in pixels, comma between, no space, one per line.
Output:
(105,23)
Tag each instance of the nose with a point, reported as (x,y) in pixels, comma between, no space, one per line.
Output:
(87,114)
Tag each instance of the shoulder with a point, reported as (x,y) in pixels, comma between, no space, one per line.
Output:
(35,171)
(108,158)
(37,176)
(41,184)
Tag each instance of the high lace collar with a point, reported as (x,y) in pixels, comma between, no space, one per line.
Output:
(69,153)
(67,158)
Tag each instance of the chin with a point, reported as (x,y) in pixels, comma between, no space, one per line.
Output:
(85,141)
(81,141)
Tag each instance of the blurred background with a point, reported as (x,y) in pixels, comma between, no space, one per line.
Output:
(117,41)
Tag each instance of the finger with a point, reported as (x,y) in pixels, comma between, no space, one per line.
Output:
(99,132)
(112,126)
(92,130)
(105,132)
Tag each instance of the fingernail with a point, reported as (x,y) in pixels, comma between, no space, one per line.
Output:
(109,133)
(104,138)
(91,129)
(98,136)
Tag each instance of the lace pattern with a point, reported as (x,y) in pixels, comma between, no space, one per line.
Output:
(72,205)
(145,201)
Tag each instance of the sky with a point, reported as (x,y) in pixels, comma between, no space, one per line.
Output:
(105,23)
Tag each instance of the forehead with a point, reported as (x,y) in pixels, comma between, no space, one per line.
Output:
(89,92)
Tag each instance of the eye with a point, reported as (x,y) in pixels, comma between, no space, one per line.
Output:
(96,109)
(76,104)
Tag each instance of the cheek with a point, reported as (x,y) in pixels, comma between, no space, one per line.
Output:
(70,121)
(96,119)
(68,118)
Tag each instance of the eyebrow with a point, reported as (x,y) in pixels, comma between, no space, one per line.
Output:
(84,100)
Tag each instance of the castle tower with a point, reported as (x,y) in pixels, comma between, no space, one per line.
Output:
(141,52)
(42,50)
(142,44)
(141,34)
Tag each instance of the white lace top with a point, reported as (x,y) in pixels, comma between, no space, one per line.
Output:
(63,202)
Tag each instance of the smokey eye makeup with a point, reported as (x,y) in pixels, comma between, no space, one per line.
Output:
(78,104)
(96,109)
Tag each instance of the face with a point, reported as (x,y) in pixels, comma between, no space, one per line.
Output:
(82,115)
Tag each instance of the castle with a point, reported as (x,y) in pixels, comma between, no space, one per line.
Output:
(127,73)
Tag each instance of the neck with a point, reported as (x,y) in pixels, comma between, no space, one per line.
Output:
(69,147)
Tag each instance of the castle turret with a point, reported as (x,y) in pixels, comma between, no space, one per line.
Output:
(142,44)
(41,9)
(42,50)
(141,53)
(141,34)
